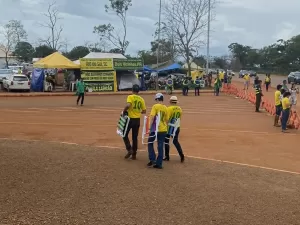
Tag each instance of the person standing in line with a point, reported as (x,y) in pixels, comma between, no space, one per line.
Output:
(221,76)
(267,82)
(169,85)
(285,111)
(157,109)
(135,107)
(278,105)
(229,79)
(80,87)
(175,113)
(284,86)
(247,81)
(197,86)
(258,93)
(293,99)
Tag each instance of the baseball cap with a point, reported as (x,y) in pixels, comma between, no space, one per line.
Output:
(159,96)
(173,99)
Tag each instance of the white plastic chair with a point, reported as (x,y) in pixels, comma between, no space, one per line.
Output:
(172,128)
(122,126)
(146,128)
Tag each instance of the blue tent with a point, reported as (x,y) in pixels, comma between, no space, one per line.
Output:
(37,80)
(171,67)
(148,69)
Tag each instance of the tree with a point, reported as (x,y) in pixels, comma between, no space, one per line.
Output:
(188,20)
(148,57)
(43,51)
(240,52)
(54,39)
(108,33)
(78,52)
(12,33)
(199,60)
(24,51)
(220,62)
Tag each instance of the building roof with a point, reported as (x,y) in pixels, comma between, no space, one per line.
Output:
(101,55)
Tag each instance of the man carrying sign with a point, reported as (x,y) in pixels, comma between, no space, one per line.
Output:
(134,108)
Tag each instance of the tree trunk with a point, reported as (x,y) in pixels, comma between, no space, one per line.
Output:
(188,62)
(6,59)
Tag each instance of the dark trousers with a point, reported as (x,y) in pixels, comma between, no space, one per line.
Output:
(134,125)
(175,142)
(285,118)
(185,90)
(197,91)
(217,91)
(257,102)
(80,96)
(267,86)
(160,148)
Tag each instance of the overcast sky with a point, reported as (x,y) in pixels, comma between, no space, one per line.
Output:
(256,22)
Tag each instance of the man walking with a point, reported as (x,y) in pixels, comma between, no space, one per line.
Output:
(134,109)
(185,87)
(80,87)
(258,93)
(158,109)
(175,113)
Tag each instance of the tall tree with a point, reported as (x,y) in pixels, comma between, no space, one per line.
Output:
(188,19)
(24,51)
(43,51)
(240,52)
(54,39)
(12,32)
(108,33)
(78,52)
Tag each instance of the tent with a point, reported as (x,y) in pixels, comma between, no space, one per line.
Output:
(171,67)
(103,55)
(148,69)
(55,60)
(194,66)
(37,80)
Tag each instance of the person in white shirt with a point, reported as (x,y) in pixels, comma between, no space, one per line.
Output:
(293,98)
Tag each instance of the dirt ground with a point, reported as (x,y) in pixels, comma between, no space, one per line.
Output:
(249,172)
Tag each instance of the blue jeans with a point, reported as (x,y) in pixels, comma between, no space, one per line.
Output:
(285,118)
(160,147)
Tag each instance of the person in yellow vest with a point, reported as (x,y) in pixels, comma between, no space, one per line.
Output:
(247,81)
(197,86)
(135,107)
(267,81)
(278,105)
(185,86)
(285,111)
(19,71)
(175,113)
(157,109)
(222,76)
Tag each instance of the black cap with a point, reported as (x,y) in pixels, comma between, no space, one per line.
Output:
(135,88)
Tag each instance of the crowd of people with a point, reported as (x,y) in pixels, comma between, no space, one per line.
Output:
(134,108)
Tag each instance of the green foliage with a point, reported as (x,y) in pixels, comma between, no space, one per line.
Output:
(78,52)
(280,57)
(24,51)
(43,51)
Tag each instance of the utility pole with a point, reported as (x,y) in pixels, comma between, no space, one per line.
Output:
(208,37)
(158,44)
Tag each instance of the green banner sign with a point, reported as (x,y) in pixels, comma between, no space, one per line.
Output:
(128,64)
(100,86)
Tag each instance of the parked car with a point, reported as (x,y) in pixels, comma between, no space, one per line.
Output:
(5,73)
(294,77)
(252,73)
(16,82)
(230,72)
(242,73)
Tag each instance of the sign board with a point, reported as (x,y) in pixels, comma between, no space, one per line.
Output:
(101,86)
(98,76)
(96,64)
(128,64)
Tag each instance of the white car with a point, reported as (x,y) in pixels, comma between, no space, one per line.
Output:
(16,82)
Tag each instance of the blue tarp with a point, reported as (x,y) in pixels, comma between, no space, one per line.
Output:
(171,67)
(37,80)
(148,69)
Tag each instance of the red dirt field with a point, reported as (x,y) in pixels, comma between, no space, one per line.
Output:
(221,127)
(248,172)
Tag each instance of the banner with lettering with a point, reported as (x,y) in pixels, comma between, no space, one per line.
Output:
(96,64)
(128,64)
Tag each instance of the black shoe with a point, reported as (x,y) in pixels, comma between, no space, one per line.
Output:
(182,158)
(166,159)
(150,164)
(129,153)
(157,167)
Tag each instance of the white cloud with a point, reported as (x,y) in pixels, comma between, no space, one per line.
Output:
(256,22)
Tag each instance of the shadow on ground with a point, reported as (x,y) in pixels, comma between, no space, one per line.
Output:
(43,183)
